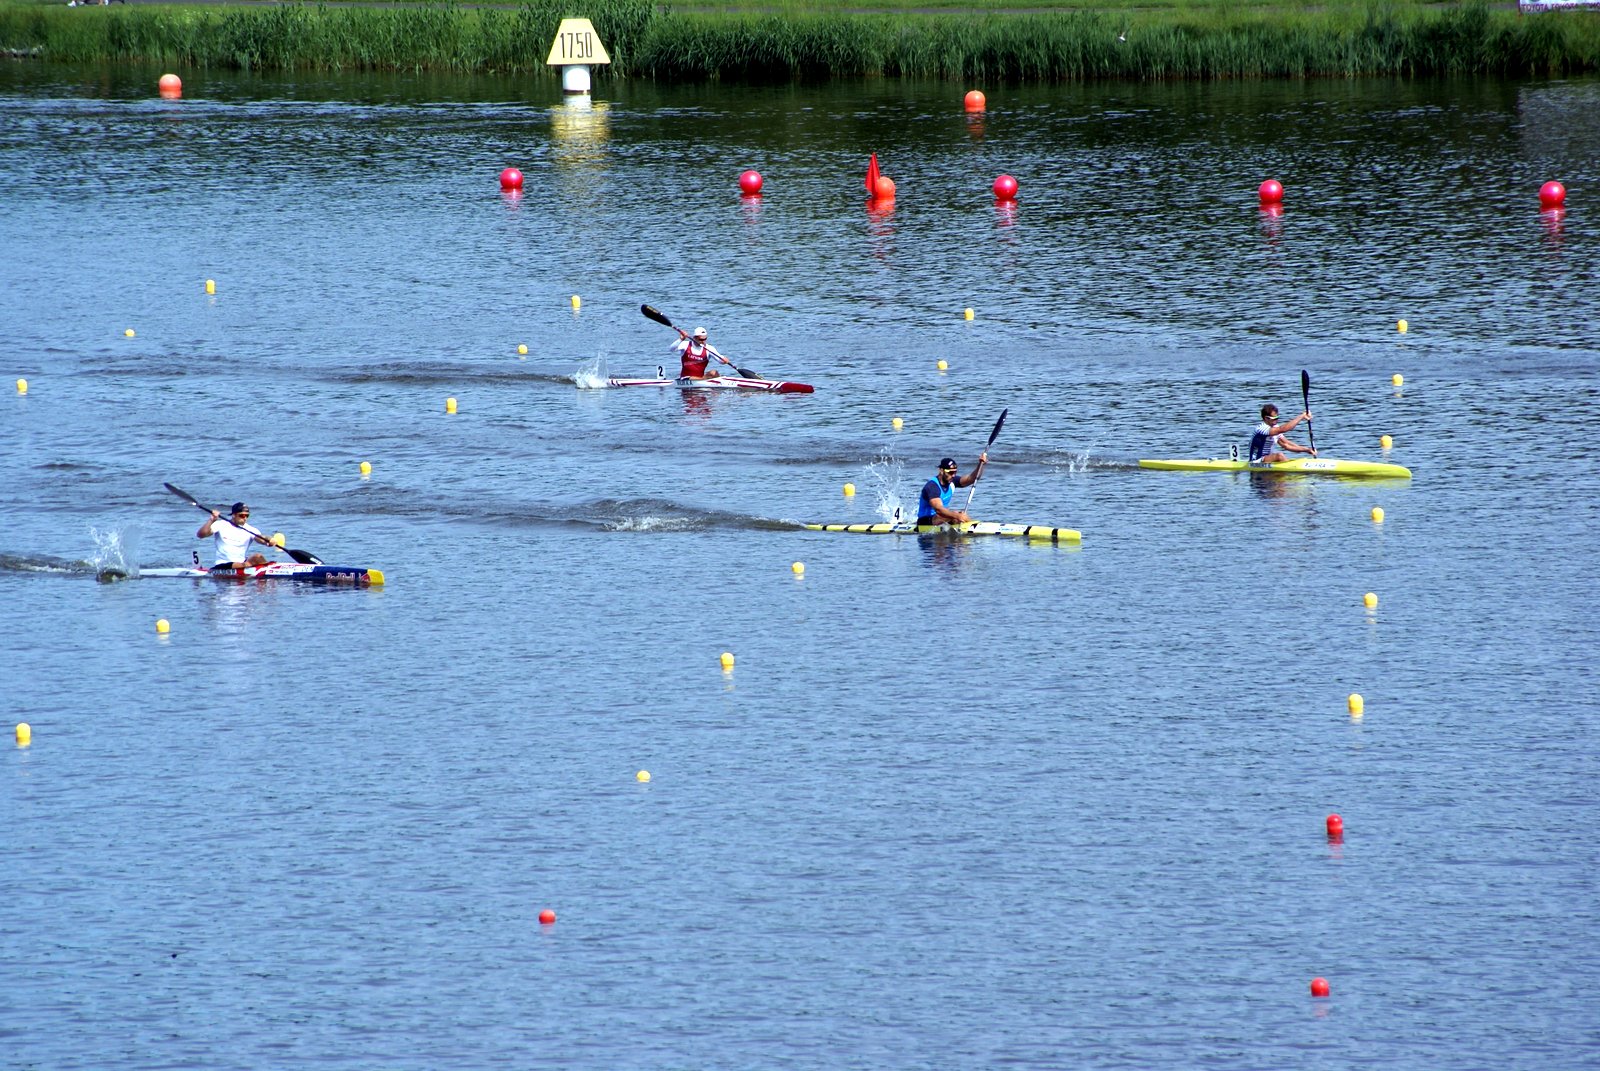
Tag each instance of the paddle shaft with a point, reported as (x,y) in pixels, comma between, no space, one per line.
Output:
(993,435)
(301,556)
(661,318)
(1305,398)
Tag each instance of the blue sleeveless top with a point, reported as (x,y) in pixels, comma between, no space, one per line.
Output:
(930,491)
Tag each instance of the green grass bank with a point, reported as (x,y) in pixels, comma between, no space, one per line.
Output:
(1194,39)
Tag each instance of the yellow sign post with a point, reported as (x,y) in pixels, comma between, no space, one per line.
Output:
(576,48)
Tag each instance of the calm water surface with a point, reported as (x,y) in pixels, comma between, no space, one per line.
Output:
(958,804)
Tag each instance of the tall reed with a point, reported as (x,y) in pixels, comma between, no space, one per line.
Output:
(1388,38)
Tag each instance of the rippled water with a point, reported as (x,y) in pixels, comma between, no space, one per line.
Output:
(957,804)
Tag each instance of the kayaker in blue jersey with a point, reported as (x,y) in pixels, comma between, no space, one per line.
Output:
(696,353)
(933,507)
(233,538)
(1268,445)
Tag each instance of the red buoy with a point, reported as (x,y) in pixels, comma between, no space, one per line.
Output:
(547,916)
(1335,827)
(1319,987)
(750,182)
(884,188)
(1005,188)
(170,83)
(511,179)
(975,101)
(1552,194)
(1271,192)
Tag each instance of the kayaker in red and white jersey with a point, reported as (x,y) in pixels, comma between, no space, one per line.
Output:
(1268,445)
(933,505)
(233,538)
(696,353)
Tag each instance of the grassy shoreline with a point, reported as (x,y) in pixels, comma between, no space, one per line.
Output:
(1186,39)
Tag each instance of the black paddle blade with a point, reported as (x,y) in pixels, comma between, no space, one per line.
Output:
(746,373)
(995,434)
(186,496)
(655,314)
(301,556)
(1305,396)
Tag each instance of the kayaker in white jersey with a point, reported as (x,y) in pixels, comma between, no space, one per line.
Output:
(696,353)
(933,505)
(1269,445)
(233,538)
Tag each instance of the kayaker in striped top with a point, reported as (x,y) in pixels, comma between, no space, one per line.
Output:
(233,538)
(1268,445)
(933,506)
(696,353)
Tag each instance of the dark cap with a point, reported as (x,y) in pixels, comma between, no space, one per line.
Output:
(948,463)
(239,507)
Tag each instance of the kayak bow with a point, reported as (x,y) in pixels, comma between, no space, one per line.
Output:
(1307,466)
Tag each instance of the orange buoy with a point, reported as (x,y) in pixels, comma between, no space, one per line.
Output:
(546,917)
(975,101)
(884,188)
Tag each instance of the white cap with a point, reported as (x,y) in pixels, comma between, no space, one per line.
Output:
(700,332)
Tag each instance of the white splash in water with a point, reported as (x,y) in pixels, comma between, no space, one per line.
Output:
(1078,462)
(113,553)
(883,479)
(592,376)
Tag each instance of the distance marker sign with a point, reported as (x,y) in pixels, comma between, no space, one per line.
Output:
(576,43)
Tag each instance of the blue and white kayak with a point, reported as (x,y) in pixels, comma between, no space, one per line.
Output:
(971,528)
(316,574)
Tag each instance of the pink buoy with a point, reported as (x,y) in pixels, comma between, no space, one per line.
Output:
(511,179)
(1005,188)
(975,101)
(1271,192)
(884,188)
(1552,194)
(750,182)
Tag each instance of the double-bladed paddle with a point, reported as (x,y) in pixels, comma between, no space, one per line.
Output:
(993,435)
(301,556)
(661,318)
(1305,396)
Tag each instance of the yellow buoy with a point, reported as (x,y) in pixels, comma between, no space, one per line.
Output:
(1370,600)
(897,423)
(727,659)
(944,366)
(24,734)
(366,468)
(1377,514)
(1402,326)
(642,776)
(1385,441)
(162,626)
(1397,379)
(1357,705)
(211,286)
(967,313)
(449,405)
(522,347)
(798,568)
(577,302)
(849,490)
(128,333)
(279,540)
(22,386)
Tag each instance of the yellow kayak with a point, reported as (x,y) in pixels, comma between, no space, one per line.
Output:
(1304,466)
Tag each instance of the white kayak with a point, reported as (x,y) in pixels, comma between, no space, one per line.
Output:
(660,379)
